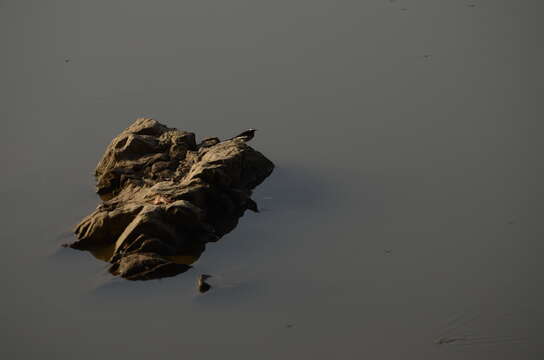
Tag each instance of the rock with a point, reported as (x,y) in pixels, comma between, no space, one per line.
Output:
(207,142)
(165,197)
(146,267)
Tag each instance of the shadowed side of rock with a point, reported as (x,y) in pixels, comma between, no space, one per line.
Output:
(165,196)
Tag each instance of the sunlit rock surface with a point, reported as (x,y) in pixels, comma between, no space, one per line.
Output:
(165,196)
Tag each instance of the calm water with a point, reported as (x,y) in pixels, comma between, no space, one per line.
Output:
(405,208)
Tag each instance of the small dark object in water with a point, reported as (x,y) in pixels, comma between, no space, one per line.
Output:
(427,56)
(66,60)
(482,340)
(446,340)
(202,285)
(471,5)
(289,326)
(246,135)
(388,251)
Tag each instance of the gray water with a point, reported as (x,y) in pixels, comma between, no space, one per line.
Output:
(405,207)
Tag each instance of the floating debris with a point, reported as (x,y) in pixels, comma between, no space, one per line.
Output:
(202,285)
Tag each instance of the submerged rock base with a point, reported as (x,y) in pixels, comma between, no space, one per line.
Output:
(165,196)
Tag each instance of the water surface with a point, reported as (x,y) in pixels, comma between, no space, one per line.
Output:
(405,206)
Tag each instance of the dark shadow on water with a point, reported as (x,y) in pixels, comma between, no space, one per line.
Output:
(296,189)
(288,191)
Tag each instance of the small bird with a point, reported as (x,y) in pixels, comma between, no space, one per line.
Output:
(202,285)
(246,135)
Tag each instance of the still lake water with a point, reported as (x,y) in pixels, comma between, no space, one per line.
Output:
(405,207)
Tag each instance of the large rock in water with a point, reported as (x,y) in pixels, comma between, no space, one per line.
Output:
(165,196)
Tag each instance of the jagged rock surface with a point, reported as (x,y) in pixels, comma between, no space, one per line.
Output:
(166,196)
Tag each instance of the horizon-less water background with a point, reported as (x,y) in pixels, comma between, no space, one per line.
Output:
(405,206)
